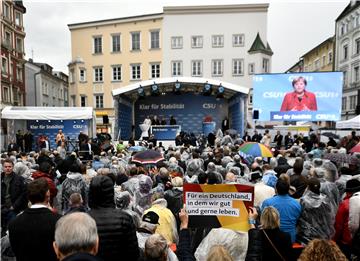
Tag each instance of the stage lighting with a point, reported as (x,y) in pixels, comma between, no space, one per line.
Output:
(207,89)
(220,91)
(154,89)
(177,87)
(141,92)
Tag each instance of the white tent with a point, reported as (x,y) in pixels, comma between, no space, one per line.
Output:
(47,113)
(353,123)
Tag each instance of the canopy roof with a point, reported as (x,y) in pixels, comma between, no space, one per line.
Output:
(190,84)
(47,113)
(353,123)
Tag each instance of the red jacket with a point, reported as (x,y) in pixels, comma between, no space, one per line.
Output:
(342,231)
(51,183)
(292,103)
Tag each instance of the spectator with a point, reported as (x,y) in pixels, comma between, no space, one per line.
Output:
(322,249)
(76,238)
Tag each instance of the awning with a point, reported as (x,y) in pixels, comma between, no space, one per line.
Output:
(47,113)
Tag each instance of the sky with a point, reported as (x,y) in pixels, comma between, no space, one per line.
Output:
(293,28)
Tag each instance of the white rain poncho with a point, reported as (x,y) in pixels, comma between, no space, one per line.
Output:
(316,220)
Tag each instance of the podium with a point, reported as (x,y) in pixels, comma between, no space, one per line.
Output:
(208,127)
(144,130)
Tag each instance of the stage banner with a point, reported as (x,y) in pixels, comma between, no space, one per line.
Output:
(304,96)
(222,205)
(165,132)
(70,128)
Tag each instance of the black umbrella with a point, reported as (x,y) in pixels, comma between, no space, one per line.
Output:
(147,157)
(330,135)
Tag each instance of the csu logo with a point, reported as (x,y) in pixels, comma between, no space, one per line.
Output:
(209,106)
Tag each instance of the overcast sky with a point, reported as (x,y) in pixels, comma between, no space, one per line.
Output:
(293,27)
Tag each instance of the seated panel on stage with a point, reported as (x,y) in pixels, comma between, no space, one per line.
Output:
(165,132)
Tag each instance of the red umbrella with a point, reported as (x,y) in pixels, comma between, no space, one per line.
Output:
(147,157)
(356,148)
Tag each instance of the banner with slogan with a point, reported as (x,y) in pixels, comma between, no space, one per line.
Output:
(222,205)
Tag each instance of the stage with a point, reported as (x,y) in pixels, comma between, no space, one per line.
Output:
(190,100)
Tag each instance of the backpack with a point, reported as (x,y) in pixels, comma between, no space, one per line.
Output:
(70,186)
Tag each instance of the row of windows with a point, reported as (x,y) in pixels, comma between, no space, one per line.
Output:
(7,41)
(98,101)
(352,105)
(216,41)
(5,69)
(16,95)
(344,28)
(319,63)
(135,42)
(356,49)
(7,14)
(355,70)
(217,69)
(176,41)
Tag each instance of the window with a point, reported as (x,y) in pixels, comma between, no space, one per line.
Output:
(238,67)
(176,42)
(8,39)
(135,41)
(250,99)
(6,11)
(342,29)
(73,100)
(97,44)
(4,65)
(82,74)
(357,46)
(19,45)
(217,67)
(116,73)
(265,65)
(196,41)
(356,76)
(155,40)
(323,60)
(83,101)
(330,57)
(251,68)
(98,74)
(196,68)
(19,73)
(18,20)
(345,51)
(6,94)
(155,70)
(135,72)
(176,68)
(343,105)
(71,76)
(116,43)
(238,40)
(317,64)
(345,78)
(99,101)
(217,41)
(353,102)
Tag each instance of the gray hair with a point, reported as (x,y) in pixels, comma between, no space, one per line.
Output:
(155,246)
(76,232)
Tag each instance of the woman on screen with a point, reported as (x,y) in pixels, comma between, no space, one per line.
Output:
(299,99)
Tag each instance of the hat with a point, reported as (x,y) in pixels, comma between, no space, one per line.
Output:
(151,217)
(314,185)
(352,185)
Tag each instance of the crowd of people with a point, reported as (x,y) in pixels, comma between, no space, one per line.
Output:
(65,207)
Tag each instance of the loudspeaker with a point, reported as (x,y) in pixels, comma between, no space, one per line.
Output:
(256,115)
(105,119)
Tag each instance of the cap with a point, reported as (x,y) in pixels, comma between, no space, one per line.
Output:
(314,185)
(151,217)
(352,185)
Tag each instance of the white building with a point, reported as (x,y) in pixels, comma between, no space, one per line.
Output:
(223,42)
(347,56)
(45,87)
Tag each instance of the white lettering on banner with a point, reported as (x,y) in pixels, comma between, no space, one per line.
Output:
(78,126)
(325,117)
(330,95)
(153,106)
(308,78)
(301,117)
(277,117)
(273,94)
(327,94)
(209,106)
(214,203)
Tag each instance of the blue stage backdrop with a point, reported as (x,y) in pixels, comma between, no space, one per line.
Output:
(188,109)
(70,128)
(124,118)
(321,102)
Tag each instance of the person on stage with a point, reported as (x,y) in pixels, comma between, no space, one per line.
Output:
(172,120)
(300,99)
(59,138)
(163,121)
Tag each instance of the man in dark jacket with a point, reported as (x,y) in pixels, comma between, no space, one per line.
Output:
(278,140)
(13,194)
(116,228)
(32,232)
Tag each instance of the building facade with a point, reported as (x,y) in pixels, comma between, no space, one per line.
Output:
(110,54)
(45,87)
(347,57)
(222,42)
(320,58)
(12,54)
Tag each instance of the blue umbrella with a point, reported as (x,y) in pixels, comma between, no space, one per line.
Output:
(136,148)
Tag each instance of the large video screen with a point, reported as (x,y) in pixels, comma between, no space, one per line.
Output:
(312,96)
